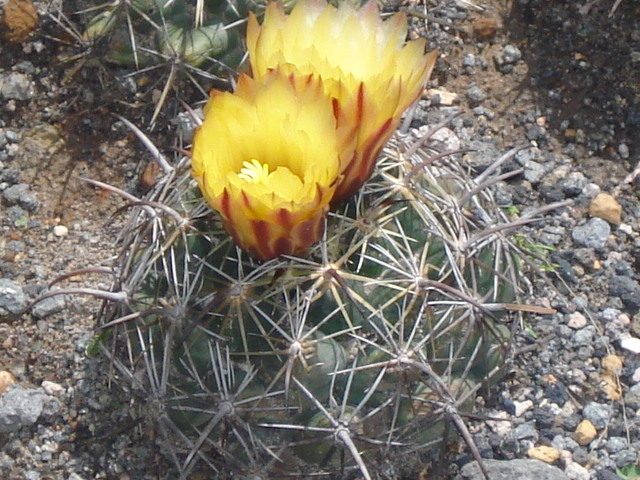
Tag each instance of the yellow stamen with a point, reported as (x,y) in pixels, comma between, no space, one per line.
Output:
(254,172)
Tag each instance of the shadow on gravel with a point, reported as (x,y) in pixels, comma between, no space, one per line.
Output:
(584,66)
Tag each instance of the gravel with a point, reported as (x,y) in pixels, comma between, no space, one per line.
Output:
(520,469)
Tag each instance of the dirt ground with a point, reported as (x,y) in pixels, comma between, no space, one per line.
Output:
(578,78)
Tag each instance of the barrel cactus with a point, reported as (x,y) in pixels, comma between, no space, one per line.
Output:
(360,352)
(146,33)
(345,302)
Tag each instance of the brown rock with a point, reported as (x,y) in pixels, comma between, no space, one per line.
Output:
(485,28)
(585,432)
(19,19)
(6,379)
(606,207)
(545,454)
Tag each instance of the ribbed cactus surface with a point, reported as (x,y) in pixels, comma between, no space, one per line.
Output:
(143,33)
(365,351)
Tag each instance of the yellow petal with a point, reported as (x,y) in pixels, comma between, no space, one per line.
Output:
(267,159)
(348,48)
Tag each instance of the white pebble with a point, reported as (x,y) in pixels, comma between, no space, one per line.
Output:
(52,388)
(626,228)
(635,378)
(522,407)
(631,344)
(501,427)
(576,471)
(60,231)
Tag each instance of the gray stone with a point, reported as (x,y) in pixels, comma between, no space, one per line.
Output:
(536,132)
(585,335)
(17,86)
(597,413)
(552,235)
(10,175)
(511,54)
(475,94)
(616,444)
(12,298)
(632,397)
(19,195)
(534,171)
(49,306)
(483,154)
(469,60)
(627,289)
(593,234)
(11,136)
(623,150)
(574,184)
(576,471)
(20,408)
(75,476)
(31,475)
(502,194)
(17,215)
(526,431)
(625,457)
(512,469)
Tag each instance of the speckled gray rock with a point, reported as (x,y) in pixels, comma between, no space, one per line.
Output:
(12,298)
(19,195)
(17,86)
(511,54)
(593,234)
(49,306)
(627,289)
(512,469)
(526,431)
(597,413)
(632,397)
(20,407)
(475,95)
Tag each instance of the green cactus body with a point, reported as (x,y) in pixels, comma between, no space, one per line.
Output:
(356,353)
(180,31)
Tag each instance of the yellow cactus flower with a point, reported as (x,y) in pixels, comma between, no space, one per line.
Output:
(366,66)
(266,158)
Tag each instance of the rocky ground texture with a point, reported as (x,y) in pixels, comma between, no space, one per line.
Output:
(560,77)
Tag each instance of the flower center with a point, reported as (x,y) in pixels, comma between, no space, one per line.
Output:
(254,172)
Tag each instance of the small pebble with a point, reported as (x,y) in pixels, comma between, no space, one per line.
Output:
(485,28)
(12,297)
(544,454)
(575,471)
(475,94)
(522,407)
(577,321)
(585,432)
(60,231)
(52,388)
(605,206)
(6,379)
(17,86)
(623,150)
(631,344)
(446,98)
(593,234)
